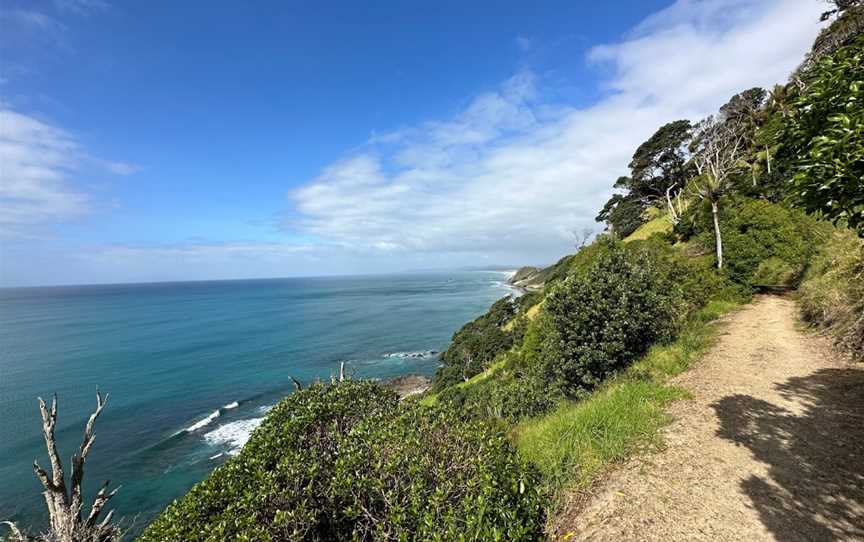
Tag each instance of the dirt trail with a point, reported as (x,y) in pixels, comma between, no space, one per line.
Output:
(770,447)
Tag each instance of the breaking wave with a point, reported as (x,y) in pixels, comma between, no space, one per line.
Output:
(234,435)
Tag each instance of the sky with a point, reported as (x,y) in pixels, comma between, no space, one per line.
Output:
(155,141)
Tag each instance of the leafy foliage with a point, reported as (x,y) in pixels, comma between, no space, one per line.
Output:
(475,345)
(827,136)
(766,244)
(347,462)
(659,164)
(622,213)
(601,320)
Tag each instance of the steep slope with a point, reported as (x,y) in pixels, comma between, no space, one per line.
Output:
(768,448)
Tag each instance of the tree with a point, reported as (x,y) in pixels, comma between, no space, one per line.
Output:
(826,138)
(839,6)
(840,33)
(746,112)
(661,162)
(717,147)
(64,505)
(622,213)
(658,171)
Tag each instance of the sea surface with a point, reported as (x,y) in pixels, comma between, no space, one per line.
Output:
(192,368)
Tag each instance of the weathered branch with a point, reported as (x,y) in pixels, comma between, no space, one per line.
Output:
(15,531)
(99,502)
(64,509)
(49,422)
(79,459)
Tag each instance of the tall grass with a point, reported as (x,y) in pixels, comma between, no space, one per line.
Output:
(832,293)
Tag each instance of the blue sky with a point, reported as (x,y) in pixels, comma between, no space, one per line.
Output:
(146,141)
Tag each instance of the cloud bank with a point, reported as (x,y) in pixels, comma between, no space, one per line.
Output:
(505,180)
(37,160)
(512,174)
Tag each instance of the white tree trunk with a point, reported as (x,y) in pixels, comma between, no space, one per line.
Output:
(64,507)
(718,241)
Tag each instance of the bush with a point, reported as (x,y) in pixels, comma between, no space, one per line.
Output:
(474,346)
(428,475)
(602,319)
(832,293)
(509,394)
(330,458)
(825,136)
(763,242)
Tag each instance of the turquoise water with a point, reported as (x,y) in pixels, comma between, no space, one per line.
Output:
(192,367)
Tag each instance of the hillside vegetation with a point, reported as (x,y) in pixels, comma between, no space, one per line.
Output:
(544,391)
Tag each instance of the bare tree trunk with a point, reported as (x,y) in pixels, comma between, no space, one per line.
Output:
(718,241)
(676,218)
(64,508)
(768,158)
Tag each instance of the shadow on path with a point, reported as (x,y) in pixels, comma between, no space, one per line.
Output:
(815,455)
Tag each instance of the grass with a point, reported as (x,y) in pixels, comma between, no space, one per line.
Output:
(658,224)
(832,293)
(576,442)
(530,314)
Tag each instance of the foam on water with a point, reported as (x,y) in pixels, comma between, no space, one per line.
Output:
(234,435)
(229,406)
(203,423)
(420,354)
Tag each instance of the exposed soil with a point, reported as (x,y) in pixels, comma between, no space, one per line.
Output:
(769,447)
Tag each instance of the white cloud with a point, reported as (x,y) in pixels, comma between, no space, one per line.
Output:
(81,7)
(37,160)
(511,174)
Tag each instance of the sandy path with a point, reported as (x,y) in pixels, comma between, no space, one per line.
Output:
(771,446)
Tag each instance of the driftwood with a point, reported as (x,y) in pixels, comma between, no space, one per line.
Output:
(65,505)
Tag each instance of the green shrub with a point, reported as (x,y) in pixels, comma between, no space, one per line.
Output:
(825,137)
(832,293)
(476,344)
(600,320)
(276,488)
(428,475)
(762,241)
(509,394)
(330,458)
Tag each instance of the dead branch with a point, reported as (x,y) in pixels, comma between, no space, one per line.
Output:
(15,531)
(64,507)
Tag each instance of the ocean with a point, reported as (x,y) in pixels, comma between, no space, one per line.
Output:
(192,368)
